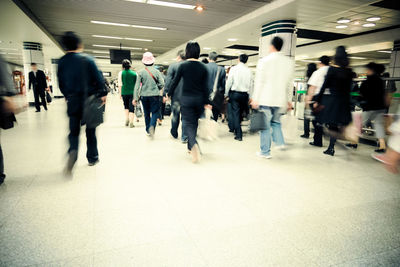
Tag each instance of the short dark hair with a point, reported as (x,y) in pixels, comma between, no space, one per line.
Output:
(277,42)
(325,60)
(192,50)
(311,67)
(376,68)
(33,64)
(243,58)
(213,56)
(126,64)
(341,58)
(70,41)
(181,54)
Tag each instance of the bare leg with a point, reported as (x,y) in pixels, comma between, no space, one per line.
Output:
(382,143)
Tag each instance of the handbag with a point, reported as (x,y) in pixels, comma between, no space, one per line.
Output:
(48,97)
(93,106)
(208,128)
(258,121)
(168,109)
(139,110)
(217,98)
(159,86)
(7,119)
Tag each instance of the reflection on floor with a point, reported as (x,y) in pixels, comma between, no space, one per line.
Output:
(145,204)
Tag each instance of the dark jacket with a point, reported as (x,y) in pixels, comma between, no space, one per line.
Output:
(76,69)
(6,83)
(172,70)
(372,91)
(212,68)
(38,82)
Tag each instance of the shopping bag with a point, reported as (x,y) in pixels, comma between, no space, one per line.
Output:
(48,97)
(208,128)
(139,110)
(258,121)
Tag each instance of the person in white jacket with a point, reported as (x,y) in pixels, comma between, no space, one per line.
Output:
(273,90)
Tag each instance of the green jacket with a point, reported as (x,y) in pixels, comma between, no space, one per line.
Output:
(130,82)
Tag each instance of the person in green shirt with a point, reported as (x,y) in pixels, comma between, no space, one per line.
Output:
(130,83)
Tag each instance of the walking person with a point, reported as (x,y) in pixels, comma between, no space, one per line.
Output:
(152,83)
(175,101)
(315,83)
(195,94)
(311,68)
(78,78)
(37,81)
(216,84)
(273,90)
(237,90)
(333,100)
(130,84)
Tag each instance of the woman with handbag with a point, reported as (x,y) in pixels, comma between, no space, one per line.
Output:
(195,94)
(152,83)
(332,104)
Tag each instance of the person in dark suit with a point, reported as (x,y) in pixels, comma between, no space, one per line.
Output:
(176,106)
(217,98)
(37,80)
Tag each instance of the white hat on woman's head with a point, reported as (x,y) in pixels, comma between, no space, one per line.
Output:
(148,58)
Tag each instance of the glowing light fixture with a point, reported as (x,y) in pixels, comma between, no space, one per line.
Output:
(232,39)
(341,26)
(385,51)
(116,46)
(369,25)
(358,58)
(199,8)
(163,3)
(343,20)
(128,25)
(374,18)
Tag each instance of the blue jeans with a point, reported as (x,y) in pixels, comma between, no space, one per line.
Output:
(273,123)
(151,108)
(175,120)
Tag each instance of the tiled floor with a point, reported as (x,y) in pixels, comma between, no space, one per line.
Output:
(146,204)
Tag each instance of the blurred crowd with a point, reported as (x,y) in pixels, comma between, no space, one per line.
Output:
(195,90)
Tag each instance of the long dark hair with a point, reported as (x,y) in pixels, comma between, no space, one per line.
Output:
(192,50)
(341,59)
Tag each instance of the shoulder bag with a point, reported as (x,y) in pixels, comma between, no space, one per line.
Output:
(216,97)
(159,86)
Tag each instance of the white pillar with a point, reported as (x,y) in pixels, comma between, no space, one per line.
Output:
(285,29)
(32,53)
(394,71)
(54,67)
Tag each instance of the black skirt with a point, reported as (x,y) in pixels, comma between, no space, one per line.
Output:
(336,111)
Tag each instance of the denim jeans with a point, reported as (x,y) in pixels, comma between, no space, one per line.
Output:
(175,120)
(151,108)
(273,116)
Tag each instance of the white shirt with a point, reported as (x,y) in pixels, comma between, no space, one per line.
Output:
(317,79)
(239,79)
(273,85)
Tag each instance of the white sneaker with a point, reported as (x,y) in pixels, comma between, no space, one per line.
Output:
(281,147)
(263,156)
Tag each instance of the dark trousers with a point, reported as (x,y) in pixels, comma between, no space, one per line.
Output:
(175,120)
(151,108)
(230,117)
(306,127)
(75,127)
(318,133)
(332,140)
(190,117)
(39,93)
(1,164)
(239,101)
(162,108)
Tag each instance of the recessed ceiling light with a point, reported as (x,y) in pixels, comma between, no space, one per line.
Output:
(127,25)
(116,46)
(146,49)
(368,25)
(385,51)
(138,39)
(100,51)
(341,26)
(374,18)
(199,8)
(232,39)
(163,3)
(357,57)
(343,20)
(206,48)
(356,22)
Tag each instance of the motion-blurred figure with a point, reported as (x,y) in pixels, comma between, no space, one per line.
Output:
(152,83)
(311,68)
(37,80)
(216,84)
(78,78)
(176,105)
(315,83)
(7,106)
(333,100)
(237,90)
(273,92)
(195,94)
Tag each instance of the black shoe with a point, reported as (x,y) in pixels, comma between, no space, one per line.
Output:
(175,136)
(72,157)
(380,150)
(329,151)
(2,177)
(354,146)
(231,131)
(92,163)
(305,136)
(45,109)
(37,111)
(314,144)
(238,138)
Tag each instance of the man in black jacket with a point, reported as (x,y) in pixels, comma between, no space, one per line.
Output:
(216,83)
(176,106)
(37,80)
(77,73)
